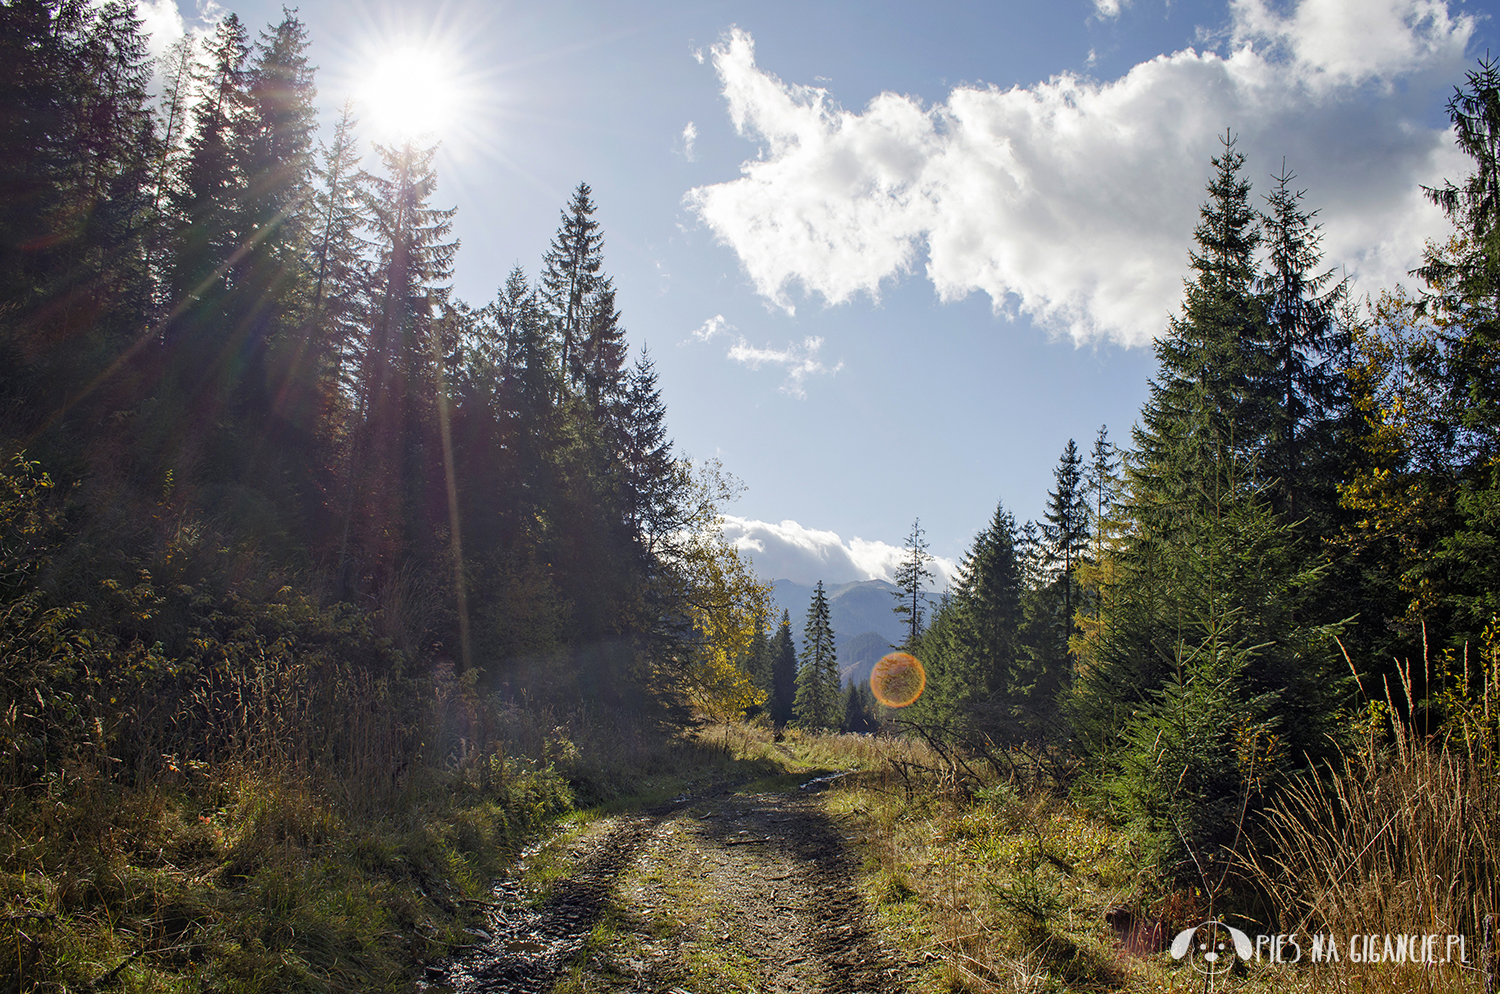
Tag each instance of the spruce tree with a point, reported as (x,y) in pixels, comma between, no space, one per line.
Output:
(77,145)
(783,673)
(987,618)
(859,709)
(205,199)
(1066,531)
(817,704)
(758,662)
(397,457)
(1214,356)
(910,576)
(1101,486)
(601,357)
(274,156)
(572,279)
(1205,595)
(650,477)
(1308,349)
(340,272)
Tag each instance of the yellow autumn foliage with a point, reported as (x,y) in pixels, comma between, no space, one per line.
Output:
(725,601)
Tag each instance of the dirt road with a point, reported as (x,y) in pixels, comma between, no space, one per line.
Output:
(732,890)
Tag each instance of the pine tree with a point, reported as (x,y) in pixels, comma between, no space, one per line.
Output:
(817,703)
(987,618)
(783,673)
(572,279)
(1308,348)
(1066,531)
(396,458)
(910,576)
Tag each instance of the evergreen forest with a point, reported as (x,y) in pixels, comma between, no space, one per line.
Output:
(298,551)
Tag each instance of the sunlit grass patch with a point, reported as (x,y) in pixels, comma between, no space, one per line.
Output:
(996,892)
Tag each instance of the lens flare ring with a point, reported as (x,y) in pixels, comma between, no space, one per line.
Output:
(898,680)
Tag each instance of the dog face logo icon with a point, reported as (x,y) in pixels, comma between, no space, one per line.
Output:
(1211,947)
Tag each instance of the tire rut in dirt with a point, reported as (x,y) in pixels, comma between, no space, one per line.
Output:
(530,945)
(836,926)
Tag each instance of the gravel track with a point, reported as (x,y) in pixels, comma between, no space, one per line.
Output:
(731,891)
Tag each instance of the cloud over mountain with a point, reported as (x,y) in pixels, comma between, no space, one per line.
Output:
(791,551)
(1073,201)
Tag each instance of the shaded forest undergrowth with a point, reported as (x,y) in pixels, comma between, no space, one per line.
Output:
(240,877)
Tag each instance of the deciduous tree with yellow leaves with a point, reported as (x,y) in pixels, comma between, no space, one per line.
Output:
(725,601)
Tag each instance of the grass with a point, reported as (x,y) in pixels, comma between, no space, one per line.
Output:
(1006,890)
(239,882)
(994,892)
(245,879)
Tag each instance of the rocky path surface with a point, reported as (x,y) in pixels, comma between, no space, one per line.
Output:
(730,891)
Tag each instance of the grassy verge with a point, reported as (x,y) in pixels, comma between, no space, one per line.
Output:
(244,879)
(234,880)
(1010,891)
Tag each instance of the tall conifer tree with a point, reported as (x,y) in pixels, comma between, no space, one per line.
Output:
(911,574)
(572,279)
(818,703)
(783,673)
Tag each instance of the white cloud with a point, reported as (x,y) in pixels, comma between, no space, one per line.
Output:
(711,327)
(1109,8)
(689,138)
(1335,43)
(1073,201)
(162,21)
(799,361)
(789,551)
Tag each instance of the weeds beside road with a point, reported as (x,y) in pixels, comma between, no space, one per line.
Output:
(692,863)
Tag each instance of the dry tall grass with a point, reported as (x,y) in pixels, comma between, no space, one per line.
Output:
(1401,836)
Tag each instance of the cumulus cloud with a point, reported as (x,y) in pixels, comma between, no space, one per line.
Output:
(789,551)
(162,22)
(689,138)
(1109,8)
(1073,201)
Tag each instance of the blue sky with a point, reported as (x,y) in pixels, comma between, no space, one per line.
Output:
(889,260)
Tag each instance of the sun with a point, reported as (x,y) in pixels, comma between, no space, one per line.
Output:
(410,91)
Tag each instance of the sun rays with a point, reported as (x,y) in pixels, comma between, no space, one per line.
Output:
(411,90)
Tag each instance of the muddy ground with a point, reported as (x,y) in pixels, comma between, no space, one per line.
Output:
(733,888)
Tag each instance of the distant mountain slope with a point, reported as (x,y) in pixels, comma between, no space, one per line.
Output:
(858,656)
(865,626)
(854,608)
